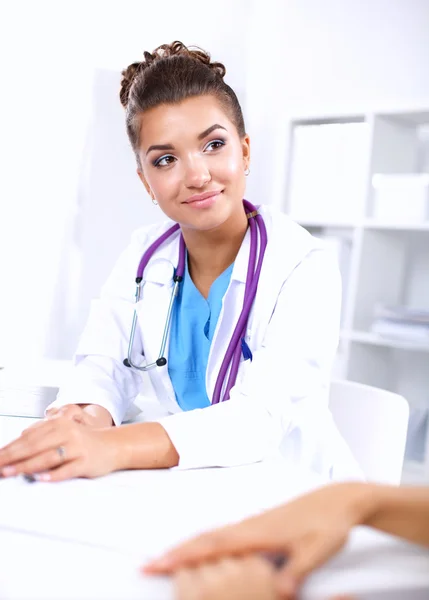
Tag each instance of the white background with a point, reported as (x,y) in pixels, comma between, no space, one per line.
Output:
(67,182)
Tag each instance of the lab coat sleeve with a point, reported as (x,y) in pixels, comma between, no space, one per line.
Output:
(99,376)
(283,391)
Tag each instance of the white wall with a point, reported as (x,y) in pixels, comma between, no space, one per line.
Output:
(284,57)
(57,237)
(336,56)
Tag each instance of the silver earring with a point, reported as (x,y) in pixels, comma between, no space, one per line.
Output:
(154,202)
(247,171)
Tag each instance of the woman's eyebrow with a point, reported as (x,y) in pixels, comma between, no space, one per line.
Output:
(209,130)
(159,147)
(201,136)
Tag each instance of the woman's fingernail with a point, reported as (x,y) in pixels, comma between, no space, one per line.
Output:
(158,563)
(43,477)
(8,471)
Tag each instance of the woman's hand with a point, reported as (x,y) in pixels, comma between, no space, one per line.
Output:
(246,578)
(307,532)
(91,415)
(61,448)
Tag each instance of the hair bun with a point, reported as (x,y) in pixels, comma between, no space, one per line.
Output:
(162,52)
(128,76)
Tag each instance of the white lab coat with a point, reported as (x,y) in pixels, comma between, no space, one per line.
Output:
(280,400)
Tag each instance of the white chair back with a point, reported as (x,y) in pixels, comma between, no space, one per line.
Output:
(374,424)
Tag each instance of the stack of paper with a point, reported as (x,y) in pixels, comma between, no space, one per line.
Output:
(25,401)
(26,391)
(401,322)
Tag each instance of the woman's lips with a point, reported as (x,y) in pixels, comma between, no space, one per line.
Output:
(203,200)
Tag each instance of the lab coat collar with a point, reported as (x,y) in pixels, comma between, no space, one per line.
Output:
(162,265)
(239,271)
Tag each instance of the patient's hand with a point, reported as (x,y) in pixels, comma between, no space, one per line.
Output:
(307,530)
(239,578)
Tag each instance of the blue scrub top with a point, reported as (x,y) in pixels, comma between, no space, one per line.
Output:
(193,325)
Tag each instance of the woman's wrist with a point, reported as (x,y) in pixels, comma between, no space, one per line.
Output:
(141,446)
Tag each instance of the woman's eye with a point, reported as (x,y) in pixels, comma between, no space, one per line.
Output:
(215,145)
(164,161)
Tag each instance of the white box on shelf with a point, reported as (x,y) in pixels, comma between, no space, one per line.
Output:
(327,171)
(401,198)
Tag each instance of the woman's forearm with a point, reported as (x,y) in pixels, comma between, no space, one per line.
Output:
(401,511)
(143,446)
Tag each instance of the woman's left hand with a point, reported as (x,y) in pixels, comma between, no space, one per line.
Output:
(244,578)
(61,448)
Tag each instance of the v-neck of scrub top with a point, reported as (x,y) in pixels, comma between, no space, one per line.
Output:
(193,325)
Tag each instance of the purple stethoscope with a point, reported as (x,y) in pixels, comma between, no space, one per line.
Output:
(237,345)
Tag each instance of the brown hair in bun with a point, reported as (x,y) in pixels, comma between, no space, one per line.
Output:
(168,75)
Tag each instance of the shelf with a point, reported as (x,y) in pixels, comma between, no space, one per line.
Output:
(364,224)
(325,223)
(313,119)
(366,337)
(414,473)
(403,115)
(383,258)
(408,117)
(374,224)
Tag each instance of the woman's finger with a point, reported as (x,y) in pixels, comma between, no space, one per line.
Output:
(33,443)
(26,449)
(70,411)
(35,426)
(70,470)
(51,412)
(42,462)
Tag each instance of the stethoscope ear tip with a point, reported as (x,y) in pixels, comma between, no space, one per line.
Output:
(126,362)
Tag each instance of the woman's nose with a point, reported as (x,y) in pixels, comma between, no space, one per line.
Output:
(197,174)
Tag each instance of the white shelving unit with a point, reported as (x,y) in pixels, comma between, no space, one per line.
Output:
(385,262)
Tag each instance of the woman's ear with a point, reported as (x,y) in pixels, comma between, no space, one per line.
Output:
(145,183)
(245,146)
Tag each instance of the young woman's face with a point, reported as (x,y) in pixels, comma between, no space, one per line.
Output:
(193,161)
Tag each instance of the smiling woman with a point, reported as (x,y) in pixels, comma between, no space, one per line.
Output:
(244,302)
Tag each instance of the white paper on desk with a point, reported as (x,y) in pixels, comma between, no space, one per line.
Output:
(142,513)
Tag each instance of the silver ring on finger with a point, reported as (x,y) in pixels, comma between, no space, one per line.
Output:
(61,451)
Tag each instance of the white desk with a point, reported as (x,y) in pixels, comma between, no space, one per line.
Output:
(84,540)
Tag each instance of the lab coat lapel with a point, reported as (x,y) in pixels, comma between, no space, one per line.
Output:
(152,313)
(231,308)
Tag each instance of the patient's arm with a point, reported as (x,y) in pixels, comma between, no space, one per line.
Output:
(401,511)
